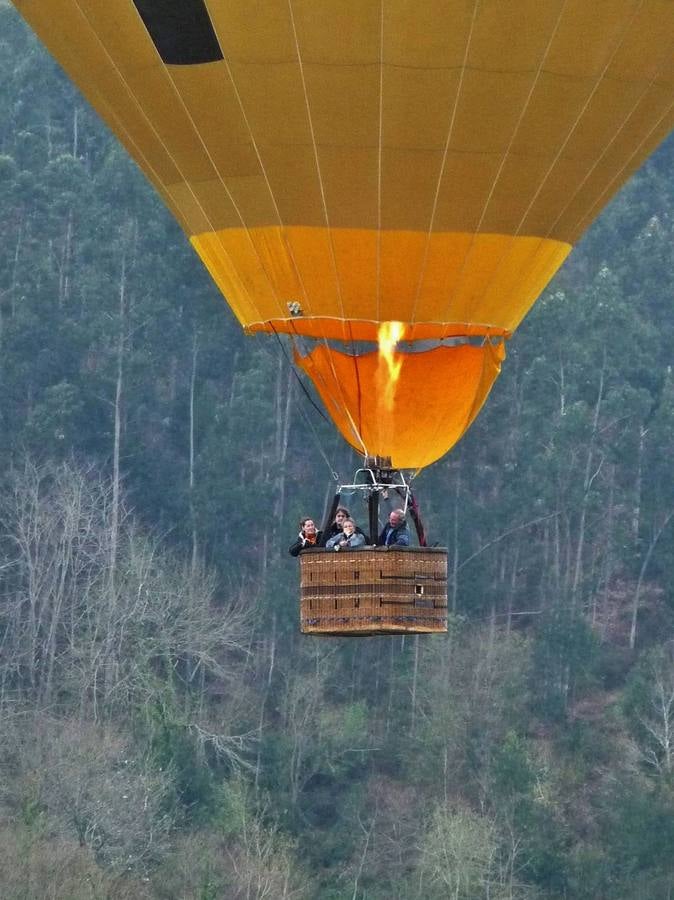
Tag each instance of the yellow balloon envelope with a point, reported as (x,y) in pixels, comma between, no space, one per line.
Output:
(338,164)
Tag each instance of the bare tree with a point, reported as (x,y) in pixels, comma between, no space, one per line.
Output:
(320,736)
(40,866)
(247,858)
(461,859)
(91,787)
(109,644)
(656,716)
(658,528)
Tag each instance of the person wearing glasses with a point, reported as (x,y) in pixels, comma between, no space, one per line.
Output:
(349,537)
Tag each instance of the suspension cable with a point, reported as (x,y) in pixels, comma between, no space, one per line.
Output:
(333,472)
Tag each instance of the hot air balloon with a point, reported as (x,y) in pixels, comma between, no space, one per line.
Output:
(351,171)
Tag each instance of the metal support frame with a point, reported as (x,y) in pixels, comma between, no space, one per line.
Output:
(375,480)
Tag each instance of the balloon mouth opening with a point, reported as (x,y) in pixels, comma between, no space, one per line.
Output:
(435,397)
(352,331)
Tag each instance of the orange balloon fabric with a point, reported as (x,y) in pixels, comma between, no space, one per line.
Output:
(436,397)
(431,163)
(339,164)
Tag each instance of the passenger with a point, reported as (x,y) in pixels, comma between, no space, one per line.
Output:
(347,539)
(395,533)
(341,515)
(308,536)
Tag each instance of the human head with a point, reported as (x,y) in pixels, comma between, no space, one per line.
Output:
(341,514)
(396,517)
(349,525)
(307,525)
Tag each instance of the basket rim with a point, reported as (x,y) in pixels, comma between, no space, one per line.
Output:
(371,548)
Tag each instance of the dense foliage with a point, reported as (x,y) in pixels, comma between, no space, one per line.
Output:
(165,732)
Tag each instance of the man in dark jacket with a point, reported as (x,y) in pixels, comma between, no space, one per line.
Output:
(308,536)
(395,533)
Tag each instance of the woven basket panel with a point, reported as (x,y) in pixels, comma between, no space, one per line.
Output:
(373,591)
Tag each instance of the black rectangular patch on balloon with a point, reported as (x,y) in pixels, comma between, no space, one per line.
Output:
(181,31)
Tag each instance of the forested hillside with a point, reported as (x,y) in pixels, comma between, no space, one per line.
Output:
(165,730)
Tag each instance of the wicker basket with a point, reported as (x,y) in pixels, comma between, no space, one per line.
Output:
(373,590)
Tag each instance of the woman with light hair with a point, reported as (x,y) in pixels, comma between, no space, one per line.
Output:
(347,539)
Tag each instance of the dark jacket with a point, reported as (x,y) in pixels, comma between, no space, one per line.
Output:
(399,536)
(300,544)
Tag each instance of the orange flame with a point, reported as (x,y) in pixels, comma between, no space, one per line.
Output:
(389,367)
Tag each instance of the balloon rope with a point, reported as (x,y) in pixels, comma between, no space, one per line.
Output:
(379,156)
(358,385)
(299,380)
(333,472)
(170,156)
(450,132)
(540,246)
(279,302)
(326,215)
(316,159)
(344,404)
(504,158)
(487,359)
(580,115)
(287,244)
(588,214)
